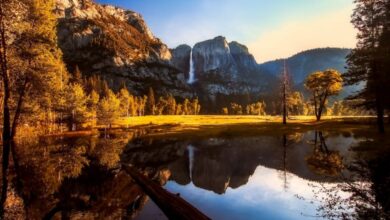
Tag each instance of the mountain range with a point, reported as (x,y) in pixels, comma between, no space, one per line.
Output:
(117,45)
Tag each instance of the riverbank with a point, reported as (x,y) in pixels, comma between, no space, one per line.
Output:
(231,124)
(202,120)
(204,125)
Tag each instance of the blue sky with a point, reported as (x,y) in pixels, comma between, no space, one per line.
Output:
(270,28)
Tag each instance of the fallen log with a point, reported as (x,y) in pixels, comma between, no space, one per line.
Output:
(173,206)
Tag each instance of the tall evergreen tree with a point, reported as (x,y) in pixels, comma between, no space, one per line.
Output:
(92,105)
(285,81)
(384,46)
(124,98)
(76,106)
(77,76)
(196,106)
(171,105)
(364,62)
(108,109)
(151,104)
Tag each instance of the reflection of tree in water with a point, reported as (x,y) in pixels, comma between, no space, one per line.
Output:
(79,178)
(324,161)
(48,166)
(102,194)
(288,140)
(367,191)
(108,151)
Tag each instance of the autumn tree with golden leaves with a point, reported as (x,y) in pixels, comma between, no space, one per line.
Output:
(322,85)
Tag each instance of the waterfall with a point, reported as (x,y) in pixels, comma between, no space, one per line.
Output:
(191,74)
(191,154)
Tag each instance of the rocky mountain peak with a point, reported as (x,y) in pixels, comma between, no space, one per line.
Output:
(237,48)
(181,58)
(77,8)
(116,44)
(244,60)
(211,55)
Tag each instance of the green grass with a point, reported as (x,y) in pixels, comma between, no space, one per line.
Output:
(199,120)
(213,125)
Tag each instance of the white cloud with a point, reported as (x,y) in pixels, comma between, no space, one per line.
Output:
(328,30)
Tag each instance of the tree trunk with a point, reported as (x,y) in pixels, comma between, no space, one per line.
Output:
(18,109)
(380,116)
(73,124)
(315,106)
(319,114)
(284,105)
(7,138)
(16,166)
(323,143)
(321,107)
(318,117)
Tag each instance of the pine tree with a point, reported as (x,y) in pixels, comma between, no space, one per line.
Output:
(171,105)
(124,98)
(195,106)
(105,90)
(151,104)
(143,101)
(186,107)
(77,76)
(384,58)
(76,106)
(132,106)
(286,89)
(179,109)
(161,106)
(108,109)
(92,105)
(364,62)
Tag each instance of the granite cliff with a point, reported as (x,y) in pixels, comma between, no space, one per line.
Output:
(117,45)
(225,72)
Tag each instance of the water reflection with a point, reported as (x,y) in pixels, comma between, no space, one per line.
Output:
(324,161)
(367,188)
(231,177)
(220,163)
(191,152)
(79,178)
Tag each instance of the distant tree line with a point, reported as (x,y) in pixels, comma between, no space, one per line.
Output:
(90,101)
(257,108)
(297,105)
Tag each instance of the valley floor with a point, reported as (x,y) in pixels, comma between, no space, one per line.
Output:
(206,125)
(202,120)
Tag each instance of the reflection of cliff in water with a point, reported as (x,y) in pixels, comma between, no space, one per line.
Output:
(219,163)
(82,177)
